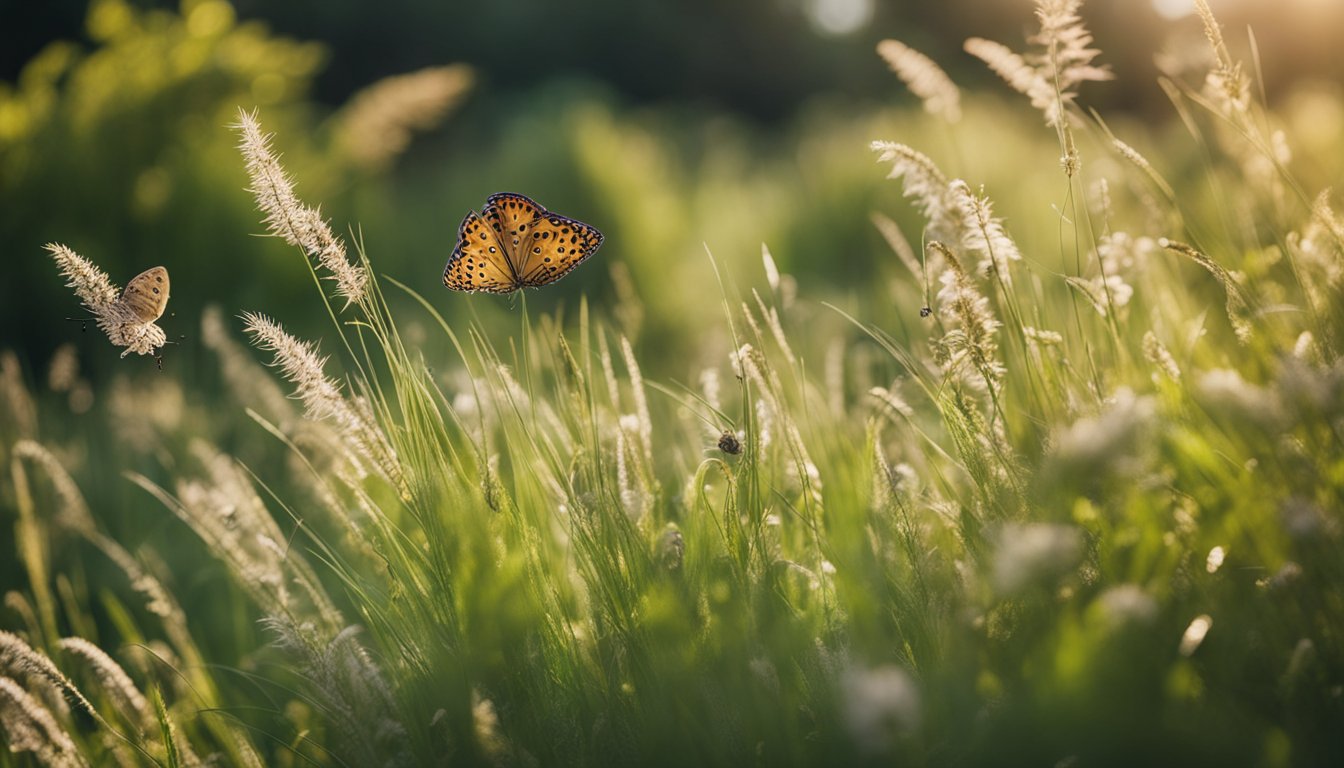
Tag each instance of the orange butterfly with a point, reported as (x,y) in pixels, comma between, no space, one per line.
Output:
(513,244)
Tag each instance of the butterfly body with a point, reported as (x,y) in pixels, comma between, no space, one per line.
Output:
(515,243)
(146,295)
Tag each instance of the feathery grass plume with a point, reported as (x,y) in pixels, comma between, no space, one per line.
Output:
(18,417)
(1158,354)
(1324,214)
(1041,337)
(113,679)
(1020,76)
(225,511)
(634,500)
(1238,310)
(99,296)
(710,387)
(1065,58)
(671,547)
(1226,83)
(375,126)
(300,364)
(924,78)
(968,352)
(1051,74)
(63,368)
(248,381)
(771,317)
(485,726)
(29,727)
(73,515)
(892,400)
(983,234)
(288,218)
(771,271)
(891,232)
(73,512)
(351,690)
(924,183)
(145,413)
(645,424)
(833,375)
(19,658)
(1139,161)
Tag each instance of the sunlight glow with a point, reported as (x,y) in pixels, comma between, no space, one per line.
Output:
(840,17)
(1174,9)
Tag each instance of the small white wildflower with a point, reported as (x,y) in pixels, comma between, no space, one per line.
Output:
(880,705)
(1157,354)
(1126,605)
(1095,442)
(1215,560)
(1303,348)
(465,405)
(1195,633)
(1224,390)
(1026,553)
(827,567)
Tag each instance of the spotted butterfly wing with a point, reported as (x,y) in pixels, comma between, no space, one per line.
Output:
(479,262)
(146,295)
(543,246)
(520,244)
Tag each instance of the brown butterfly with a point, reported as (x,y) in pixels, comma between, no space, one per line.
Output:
(514,243)
(146,295)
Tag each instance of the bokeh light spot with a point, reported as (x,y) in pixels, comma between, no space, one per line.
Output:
(840,17)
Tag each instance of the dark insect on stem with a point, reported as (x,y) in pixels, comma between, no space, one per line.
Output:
(728,443)
(925,311)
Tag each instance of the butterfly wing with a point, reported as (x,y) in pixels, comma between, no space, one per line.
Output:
(556,246)
(512,216)
(543,246)
(146,295)
(479,261)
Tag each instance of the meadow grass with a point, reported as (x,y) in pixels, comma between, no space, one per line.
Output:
(1081,506)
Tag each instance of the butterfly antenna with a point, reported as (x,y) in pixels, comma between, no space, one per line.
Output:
(158,361)
(83,322)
